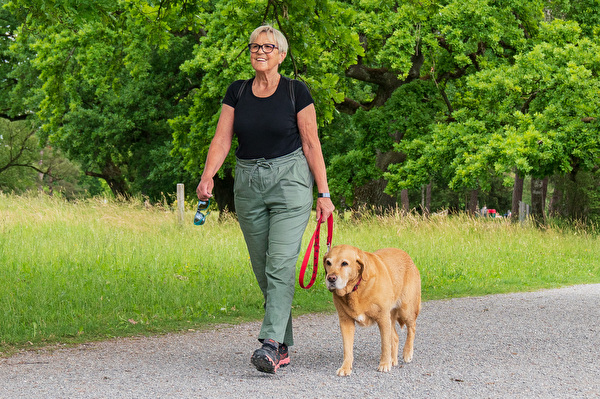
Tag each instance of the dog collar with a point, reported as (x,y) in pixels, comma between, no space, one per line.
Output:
(356,286)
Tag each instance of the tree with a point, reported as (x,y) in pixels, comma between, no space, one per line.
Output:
(110,85)
(19,156)
(551,93)
(18,78)
(24,164)
(435,45)
(359,173)
(576,196)
(529,117)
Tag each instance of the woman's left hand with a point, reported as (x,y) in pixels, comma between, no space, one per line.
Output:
(324,208)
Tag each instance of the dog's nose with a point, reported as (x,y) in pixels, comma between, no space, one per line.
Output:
(332,278)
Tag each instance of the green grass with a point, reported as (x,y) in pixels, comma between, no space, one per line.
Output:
(88,270)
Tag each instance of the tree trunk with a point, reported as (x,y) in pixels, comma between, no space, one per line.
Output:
(574,201)
(372,196)
(40,174)
(555,201)
(223,191)
(544,191)
(517,196)
(571,198)
(113,176)
(404,201)
(50,183)
(538,197)
(117,186)
(472,206)
(427,208)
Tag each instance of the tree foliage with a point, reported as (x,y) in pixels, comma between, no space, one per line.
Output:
(110,84)
(534,116)
(444,93)
(19,156)
(25,164)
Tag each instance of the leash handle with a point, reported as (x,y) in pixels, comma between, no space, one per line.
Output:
(314,242)
(329,231)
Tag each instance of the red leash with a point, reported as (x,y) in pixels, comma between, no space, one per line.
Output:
(315,240)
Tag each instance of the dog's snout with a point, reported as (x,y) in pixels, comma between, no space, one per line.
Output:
(331,278)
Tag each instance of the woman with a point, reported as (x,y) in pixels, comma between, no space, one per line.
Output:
(278,156)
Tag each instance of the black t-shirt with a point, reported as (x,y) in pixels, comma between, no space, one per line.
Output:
(267,127)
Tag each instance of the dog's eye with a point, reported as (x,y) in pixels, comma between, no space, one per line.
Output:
(344,263)
(328,262)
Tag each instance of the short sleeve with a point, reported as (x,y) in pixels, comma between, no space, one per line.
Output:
(231,95)
(302,94)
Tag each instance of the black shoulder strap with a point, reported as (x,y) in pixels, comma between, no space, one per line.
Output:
(291,91)
(241,90)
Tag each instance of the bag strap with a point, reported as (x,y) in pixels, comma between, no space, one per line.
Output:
(291,92)
(315,241)
(241,90)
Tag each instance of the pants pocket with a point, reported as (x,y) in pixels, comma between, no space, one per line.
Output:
(296,184)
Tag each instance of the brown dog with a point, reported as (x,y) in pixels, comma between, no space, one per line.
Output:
(381,287)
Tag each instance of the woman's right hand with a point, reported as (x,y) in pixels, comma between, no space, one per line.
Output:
(204,189)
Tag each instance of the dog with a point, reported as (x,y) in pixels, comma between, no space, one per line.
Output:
(381,287)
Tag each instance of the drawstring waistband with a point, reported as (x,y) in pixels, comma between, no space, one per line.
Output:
(258,164)
(273,161)
(255,164)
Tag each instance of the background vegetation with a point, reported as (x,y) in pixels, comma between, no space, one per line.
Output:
(91,269)
(437,104)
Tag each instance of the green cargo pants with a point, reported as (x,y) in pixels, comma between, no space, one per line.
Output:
(273,201)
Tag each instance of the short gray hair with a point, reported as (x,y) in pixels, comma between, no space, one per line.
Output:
(279,38)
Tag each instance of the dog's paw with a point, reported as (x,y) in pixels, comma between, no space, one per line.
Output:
(344,371)
(384,367)
(408,356)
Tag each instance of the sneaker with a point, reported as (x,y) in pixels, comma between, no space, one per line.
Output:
(284,357)
(266,358)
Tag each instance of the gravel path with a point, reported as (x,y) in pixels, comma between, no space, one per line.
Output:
(530,345)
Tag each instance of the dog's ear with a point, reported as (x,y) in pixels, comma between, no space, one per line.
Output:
(325,257)
(363,260)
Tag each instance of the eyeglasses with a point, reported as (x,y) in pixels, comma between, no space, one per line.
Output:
(266,48)
(200,218)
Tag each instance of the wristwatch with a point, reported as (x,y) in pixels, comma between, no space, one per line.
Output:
(323,195)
